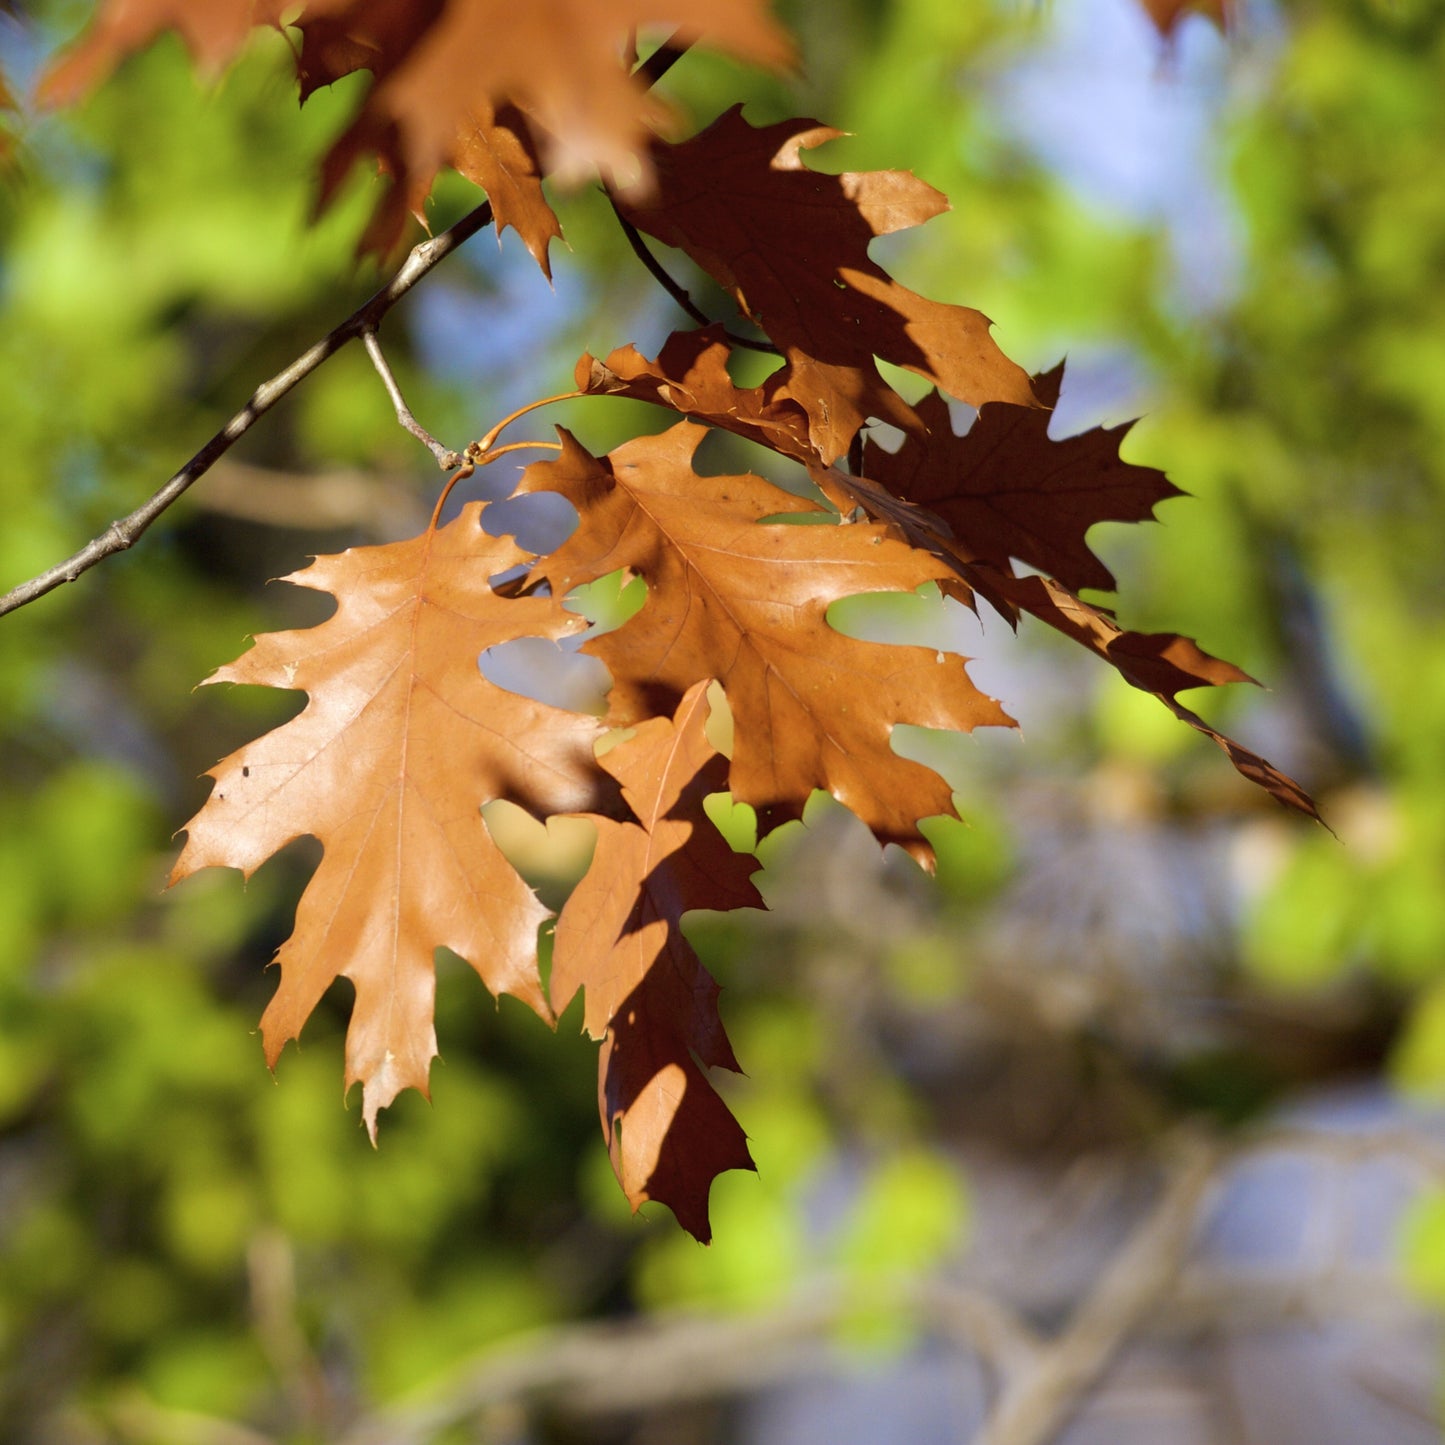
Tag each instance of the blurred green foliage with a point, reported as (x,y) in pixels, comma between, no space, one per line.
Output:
(167,1212)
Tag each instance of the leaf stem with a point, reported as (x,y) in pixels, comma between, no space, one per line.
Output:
(481,451)
(447,459)
(436,511)
(675,289)
(660,61)
(482,459)
(495,452)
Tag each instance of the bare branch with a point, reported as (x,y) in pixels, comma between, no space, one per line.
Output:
(1415,1146)
(601,1368)
(123,533)
(447,459)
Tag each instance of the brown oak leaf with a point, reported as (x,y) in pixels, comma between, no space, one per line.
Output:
(1009,490)
(400,744)
(990,499)
(791,245)
(1162,663)
(734,598)
(648,996)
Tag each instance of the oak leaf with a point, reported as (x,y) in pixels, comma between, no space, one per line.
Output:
(791,245)
(648,996)
(690,377)
(451,82)
(1009,490)
(400,744)
(213,31)
(732,597)
(971,505)
(493,146)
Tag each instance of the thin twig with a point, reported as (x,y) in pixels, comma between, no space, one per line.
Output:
(675,289)
(447,459)
(126,531)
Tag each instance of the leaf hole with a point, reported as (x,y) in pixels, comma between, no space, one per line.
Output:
(550,856)
(719,727)
(737,822)
(924,618)
(549,672)
(540,521)
(609,601)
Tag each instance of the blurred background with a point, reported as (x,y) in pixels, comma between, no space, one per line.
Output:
(1120,1130)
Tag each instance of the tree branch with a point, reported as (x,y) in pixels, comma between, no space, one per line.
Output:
(447,459)
(661,61)
(603,1368)
(123,533)
(608,1367)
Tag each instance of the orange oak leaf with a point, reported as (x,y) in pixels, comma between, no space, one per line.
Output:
(213,31)
(648,996)
(493,145)
(400,744)
(690,377)
(791,244)
(1009,490)
(734,598)
(446,76)
(561,61)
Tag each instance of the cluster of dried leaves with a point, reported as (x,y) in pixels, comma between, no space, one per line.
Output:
(403,740)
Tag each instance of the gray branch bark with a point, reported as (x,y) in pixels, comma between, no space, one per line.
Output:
(124,532)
